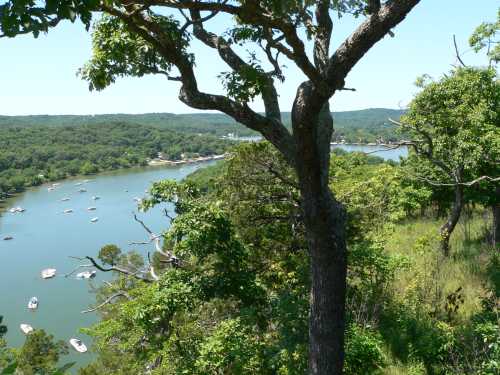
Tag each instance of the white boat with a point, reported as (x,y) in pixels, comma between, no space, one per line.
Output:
(78,184)
(68,211)
(20,209)
(95,197)
(8,238)
(33,303)
(92,208)
(86,275)
(94,219)
(48,273)
(26,328)
(51,188)
(65,199)
(13,210)
(78,345)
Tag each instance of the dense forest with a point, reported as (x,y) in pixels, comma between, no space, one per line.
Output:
(31,155)
(362,126)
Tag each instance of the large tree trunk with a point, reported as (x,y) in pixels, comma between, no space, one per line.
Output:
(495,210)
(324,220)
(447,228)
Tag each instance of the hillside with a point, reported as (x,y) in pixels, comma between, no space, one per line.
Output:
(363,125)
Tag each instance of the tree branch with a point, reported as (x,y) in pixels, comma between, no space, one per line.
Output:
(108,300)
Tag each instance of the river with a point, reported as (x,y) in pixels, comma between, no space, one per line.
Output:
(44,237)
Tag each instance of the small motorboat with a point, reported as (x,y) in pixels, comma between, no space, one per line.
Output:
(95,197)
(26,328)
(13,210)
(33,303)
(78,345)
(94,220)
(68,211)
(78,184)
(20,209)
(92,208)
(86,275)
(51,188)
(48,273)
(8,238)
(65,199)
(82,190)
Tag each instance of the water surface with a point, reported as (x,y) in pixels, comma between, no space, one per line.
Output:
(46,237)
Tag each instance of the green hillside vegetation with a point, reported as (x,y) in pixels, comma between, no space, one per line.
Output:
(354,126)
(31,155)
(236,298)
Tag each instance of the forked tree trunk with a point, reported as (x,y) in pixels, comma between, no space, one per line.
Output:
(447,228)
(324,220)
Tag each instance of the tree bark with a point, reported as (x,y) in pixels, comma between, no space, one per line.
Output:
(447,228)
(495,231)
(324,220)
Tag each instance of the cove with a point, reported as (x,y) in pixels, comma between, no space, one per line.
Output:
(45,237)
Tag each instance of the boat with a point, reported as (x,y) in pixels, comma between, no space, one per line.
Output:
(95,197)
(33,303)
(26,328)
(65,199)
(78,184)
(51,188)
(48,273)
(92,208)
(20,209)
(137,199)
(94,219)
(68,211)
(86,274)
(78,345)
(82,190)
(8,238)
(13,210)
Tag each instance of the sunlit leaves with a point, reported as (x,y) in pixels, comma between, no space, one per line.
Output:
(117,52)
(485,37)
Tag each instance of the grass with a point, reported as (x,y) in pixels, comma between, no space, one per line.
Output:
(430,277)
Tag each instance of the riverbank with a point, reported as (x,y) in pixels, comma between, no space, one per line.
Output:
(158,161)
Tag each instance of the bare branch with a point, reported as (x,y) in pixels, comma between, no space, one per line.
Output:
(108,300)
(458,53)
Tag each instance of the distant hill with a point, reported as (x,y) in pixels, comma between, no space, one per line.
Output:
(365,125)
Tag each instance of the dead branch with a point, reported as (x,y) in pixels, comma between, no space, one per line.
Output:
(108,300)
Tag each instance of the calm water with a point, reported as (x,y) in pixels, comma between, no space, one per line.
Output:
(45,237)
(383,152)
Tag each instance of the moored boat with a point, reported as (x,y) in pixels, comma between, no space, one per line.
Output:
(33,303)
(65,199)
(8,238)
(94,219)
(86,274)
(95,197)
(26,328)
(78,345)
(48,273)
(92,208)
(68,211)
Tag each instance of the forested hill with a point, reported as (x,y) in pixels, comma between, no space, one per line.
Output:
(364,125)
(33,155)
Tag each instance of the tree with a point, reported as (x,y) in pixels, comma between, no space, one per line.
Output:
(40,354)
(109,254)
(453,124)
(135,38)
(484,37)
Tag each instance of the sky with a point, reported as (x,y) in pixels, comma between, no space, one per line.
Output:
(38,76)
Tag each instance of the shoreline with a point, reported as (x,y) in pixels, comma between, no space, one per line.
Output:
(5,203)
(157,162)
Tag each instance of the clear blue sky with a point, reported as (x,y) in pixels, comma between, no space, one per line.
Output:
(39,76)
